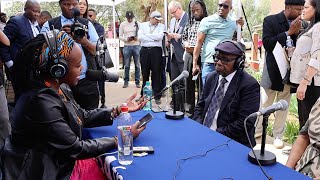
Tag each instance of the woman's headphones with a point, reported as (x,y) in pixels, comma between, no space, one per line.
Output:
(239,63)
(57,67)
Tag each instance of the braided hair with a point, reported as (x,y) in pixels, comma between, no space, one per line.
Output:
(204,9)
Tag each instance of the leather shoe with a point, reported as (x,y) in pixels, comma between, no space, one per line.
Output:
(125,85)
(158,101)
(138,85)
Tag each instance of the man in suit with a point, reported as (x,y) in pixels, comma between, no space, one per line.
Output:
(276,28)
(177,24)
(230,95)
(19,30)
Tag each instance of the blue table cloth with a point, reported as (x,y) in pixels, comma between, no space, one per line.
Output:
(178,139)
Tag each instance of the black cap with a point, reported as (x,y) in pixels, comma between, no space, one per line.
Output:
(230,47)
(129,14)
(294,2)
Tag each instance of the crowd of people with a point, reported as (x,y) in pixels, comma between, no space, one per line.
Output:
(49,61)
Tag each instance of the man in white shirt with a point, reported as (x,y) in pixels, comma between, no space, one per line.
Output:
(150,35)
(128,33)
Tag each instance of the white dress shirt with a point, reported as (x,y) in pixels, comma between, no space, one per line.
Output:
(34,28)
(151,35)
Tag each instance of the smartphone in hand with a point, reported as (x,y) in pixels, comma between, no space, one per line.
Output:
(145,120)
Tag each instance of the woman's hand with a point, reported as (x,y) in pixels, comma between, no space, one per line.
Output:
(301,91)
(135,131)
(135,106)
(195,70)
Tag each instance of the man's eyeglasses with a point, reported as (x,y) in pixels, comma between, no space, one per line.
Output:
(90,15)
(174,11)
(225,6)
(223,60)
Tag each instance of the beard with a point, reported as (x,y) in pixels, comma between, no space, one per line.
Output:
(198,18)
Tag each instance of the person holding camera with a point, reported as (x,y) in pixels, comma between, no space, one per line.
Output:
(84,33)
(128,33)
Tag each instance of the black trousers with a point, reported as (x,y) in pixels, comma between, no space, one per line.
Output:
(190,84)
(86,94)
(151,60)
(305,106)
(176,70)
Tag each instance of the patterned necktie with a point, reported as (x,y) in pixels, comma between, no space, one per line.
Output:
(215,103)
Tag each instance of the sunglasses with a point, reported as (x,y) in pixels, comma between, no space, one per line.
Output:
(225,6)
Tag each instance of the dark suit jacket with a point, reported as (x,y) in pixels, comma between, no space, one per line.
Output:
(241,99)
(19,32)
(177,45)
(274,28)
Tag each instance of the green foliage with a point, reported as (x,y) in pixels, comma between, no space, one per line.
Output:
(293,106)
(256,74)
(291,131)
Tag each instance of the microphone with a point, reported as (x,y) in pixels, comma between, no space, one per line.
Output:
(102,75)
(280,105)
(75,12)
(183,75)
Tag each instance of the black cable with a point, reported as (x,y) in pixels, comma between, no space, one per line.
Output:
(198,155)
(245,128)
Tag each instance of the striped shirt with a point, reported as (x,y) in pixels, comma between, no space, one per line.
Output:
(309,163)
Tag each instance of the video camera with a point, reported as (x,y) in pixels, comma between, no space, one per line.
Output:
(79,30)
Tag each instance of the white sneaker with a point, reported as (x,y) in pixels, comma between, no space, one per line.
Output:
(278,143)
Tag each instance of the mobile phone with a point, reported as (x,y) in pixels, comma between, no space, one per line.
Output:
(141,149)
(145,120)
(195,77)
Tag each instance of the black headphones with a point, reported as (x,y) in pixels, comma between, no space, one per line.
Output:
(56,66)
(239,63)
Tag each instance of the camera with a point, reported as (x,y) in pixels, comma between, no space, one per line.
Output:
(79,30)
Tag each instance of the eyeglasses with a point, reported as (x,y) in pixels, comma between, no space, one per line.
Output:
(225,6)
(174,11)
(223,60)
(90,15)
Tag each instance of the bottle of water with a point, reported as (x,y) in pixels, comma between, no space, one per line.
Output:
(290,48)
(125,137)
(147,91)
(289,42)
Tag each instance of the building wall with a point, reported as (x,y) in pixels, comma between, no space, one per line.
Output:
(277,6)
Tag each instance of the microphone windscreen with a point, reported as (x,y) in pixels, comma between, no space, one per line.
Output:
(284,104)
(75,12)
(94,75)
(185,73)
(112,77)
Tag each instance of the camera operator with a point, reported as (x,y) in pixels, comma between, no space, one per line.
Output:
(86,93)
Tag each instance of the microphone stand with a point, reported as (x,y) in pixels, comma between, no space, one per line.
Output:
(264,157)
(174,114)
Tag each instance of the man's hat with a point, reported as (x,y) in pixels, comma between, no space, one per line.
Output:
(294,2)
(230,47)
(129,14)
(156,15)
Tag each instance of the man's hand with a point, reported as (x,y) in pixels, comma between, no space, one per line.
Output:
(240,21)
(195,70)
(83,41)
(66,28)
(295,27)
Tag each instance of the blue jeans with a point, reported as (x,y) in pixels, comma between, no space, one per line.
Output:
(128,52)
(206,68)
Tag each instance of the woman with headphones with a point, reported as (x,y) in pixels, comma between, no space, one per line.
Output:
(47,122)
